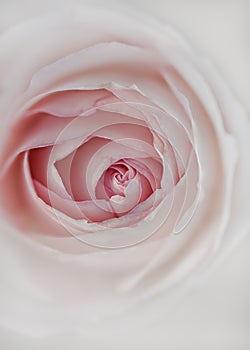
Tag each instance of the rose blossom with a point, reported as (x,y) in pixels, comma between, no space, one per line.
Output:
(114,135)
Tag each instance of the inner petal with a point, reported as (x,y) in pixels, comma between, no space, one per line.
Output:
(116,178)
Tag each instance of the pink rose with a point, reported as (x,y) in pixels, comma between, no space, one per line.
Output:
(114,135)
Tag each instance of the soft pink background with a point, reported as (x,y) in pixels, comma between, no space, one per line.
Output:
(217,314)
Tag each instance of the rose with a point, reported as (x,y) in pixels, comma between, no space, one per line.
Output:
(174,99)
(149,159)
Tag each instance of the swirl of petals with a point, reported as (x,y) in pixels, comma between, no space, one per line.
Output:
(114,146)
(75,159)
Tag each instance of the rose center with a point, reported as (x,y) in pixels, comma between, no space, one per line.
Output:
(117,177)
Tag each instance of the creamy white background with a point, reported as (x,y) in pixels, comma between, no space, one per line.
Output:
(216,314)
